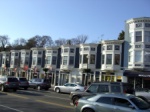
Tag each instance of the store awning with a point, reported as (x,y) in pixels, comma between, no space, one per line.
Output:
(130,73)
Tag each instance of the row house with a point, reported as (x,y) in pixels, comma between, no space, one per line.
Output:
(125,60)
(81,63)
(137,51)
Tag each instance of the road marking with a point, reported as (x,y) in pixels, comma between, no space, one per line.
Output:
(11,108)
(54,104)
(11,94)
(57,97)
(18,96)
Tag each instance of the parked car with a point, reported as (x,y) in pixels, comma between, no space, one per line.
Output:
(68,87)
(23,82)
(143,93)
(112,102)
(9,82)
(39,84)
(102,87)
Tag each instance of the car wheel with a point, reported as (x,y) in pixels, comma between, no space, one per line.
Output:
(38,87)
(88,110)
(25,88)
(75,99)
(77,90)
(2,88)
(57,90)
(14,90)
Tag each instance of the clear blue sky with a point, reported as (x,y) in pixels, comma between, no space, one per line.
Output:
(68,18)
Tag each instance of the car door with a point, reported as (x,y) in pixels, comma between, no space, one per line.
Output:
(104,104)
(31,83)
(72,87)
(122,105)
(65,88)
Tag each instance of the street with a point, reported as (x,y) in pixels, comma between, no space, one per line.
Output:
(34,101)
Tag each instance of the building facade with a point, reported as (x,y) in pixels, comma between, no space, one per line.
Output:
(137,51)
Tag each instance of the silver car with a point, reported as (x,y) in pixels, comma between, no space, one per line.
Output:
(110,102)
(69,87)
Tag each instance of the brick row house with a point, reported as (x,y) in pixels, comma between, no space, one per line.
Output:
(108,60)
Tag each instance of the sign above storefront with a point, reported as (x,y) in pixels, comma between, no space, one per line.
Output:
(142,75)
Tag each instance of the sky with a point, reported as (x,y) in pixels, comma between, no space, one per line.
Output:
(97,19)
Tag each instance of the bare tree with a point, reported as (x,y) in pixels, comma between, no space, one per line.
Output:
(60,41)
(82,39)
(4,41)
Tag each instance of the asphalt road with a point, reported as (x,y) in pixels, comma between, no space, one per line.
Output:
(34,101)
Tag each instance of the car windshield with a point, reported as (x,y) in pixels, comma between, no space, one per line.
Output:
(22,79)
(141,104)
(12,80)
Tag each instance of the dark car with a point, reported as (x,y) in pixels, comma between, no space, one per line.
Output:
(39,84)
(9,82)
(23,83)
(102,87)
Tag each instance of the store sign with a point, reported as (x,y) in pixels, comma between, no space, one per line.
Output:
(142,75)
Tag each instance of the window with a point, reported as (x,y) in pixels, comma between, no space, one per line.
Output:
(16,62)
(138,36)
(92,48)
(108,58)
(147,46)
(54,60)
(39,52)
(147,24)
(130,57)
(65,58)
(26,61)
(27,53)
(48,61)
(105,100)
(103,88)
(71,60)
(109,47)
(147,36)
(92,59)
(117,59)
(49,51)
(138,56)
(12,54)
(54,52)
(121,102)
(39,61)
(103,59)
(117,47)
(22,53)
(86,48)
(16,54)
(115,89)
(138,25)
(66,50)
(34,61)
(93,88)
(147,56)
(35,52)
(80,58)
(85,59)
(71,50)
(103,48)
(137,46)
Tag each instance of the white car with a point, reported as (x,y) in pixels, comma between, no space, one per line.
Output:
(69,87)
